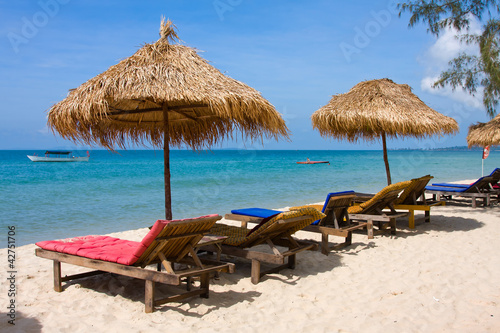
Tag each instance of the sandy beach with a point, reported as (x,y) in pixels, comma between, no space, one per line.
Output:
(440,277)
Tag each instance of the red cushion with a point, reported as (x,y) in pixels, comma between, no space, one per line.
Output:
(97,247)
(107,248)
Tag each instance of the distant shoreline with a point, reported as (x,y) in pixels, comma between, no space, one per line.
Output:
(456,148)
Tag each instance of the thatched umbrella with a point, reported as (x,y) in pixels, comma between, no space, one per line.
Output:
(485,134)
(377,109)
(164,94)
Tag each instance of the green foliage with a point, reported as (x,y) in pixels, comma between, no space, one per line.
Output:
(466,71)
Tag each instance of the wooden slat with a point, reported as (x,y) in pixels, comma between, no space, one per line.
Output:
(374,217)
(135,272)
(273,248)
(178,236)
(294,219)
(249,254)
(297,250)
(245,218)
(177,298)
(175,247)
(166,263)
(82,275)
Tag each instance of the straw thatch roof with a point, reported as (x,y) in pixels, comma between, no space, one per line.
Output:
(127,102)
(374,107)
(485,134)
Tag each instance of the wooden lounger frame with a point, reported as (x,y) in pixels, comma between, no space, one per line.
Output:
(338,223)
(168,248)
(413,199)
(376,215)
(278,234)
(482,190)
(424,206)
(487,198)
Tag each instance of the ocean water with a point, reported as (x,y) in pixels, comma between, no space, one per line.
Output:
(121,191)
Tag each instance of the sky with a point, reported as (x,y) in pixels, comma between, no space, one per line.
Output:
(296,53)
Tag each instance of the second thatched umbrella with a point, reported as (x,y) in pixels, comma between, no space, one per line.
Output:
(377,109)
(485,134)
(164,94)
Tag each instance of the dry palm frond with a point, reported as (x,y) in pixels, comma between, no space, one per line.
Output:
(126,103)
(374,107)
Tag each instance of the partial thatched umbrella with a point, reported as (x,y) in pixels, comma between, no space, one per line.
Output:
(164,94)
(379,108)
(485,134)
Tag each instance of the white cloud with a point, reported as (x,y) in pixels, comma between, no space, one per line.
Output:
(458,95)
(436,60)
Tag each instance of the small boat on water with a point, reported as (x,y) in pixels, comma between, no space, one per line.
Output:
(58,156)
(313,162)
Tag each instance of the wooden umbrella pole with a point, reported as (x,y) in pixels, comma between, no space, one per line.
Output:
(386,160)
(166,161)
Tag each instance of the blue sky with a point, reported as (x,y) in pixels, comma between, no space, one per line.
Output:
(296,53)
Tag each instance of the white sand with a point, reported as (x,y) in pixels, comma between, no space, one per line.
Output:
(444,276)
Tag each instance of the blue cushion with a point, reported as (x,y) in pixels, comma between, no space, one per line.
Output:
(493,172)
(477,181)
(446,189)
(451,185)
(334,194)
(465,186)
(328,197)
(257,212)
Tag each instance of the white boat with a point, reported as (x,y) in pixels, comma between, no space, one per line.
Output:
(58,156)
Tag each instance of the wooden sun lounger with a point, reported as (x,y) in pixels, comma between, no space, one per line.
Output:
(174,242)
(495,174)
(413,199)
(275,231)
(372,209)
(336,222)
(481,189)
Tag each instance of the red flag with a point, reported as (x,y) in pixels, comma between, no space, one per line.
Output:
(486,152)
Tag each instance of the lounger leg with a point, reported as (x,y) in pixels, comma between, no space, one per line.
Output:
(411,219)
(149,296)
(255,271)
(57,276)
(204,284)
(393,226)
(348,239)
(219,252)
(427,216)
(473,202)
(291,261)
(369,229)
(325,249)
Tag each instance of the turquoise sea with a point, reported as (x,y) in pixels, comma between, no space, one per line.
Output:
(121,191)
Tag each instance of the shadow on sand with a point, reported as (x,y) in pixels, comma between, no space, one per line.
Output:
(133,289)
(22,323)
(442,223)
